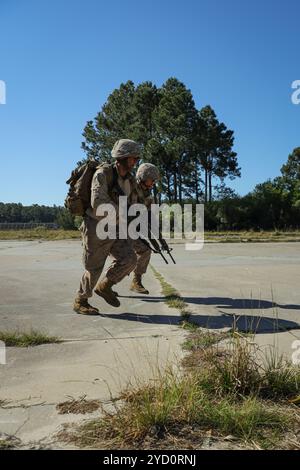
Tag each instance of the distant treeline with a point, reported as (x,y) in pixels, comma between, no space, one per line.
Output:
(17,213)
(272,205)
(13,212)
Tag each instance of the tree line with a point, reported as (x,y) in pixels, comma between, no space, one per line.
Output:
(274,204)
(17,213)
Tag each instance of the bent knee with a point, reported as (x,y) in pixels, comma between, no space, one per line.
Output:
(130,260)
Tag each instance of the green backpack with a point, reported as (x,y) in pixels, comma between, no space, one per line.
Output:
(78,199)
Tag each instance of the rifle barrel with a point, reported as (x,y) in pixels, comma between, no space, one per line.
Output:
(169,253)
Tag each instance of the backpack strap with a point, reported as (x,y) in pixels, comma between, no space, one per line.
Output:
(111,174)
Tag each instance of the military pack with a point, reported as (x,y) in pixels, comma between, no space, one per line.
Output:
(78,199)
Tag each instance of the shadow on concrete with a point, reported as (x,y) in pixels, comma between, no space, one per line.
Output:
(223,302)
(244,323)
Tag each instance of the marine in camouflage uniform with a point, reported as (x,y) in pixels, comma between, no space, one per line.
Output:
(106,182)
(146,176)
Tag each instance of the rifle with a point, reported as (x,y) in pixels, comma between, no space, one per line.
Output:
(157,246)
(163,244)
(166,247)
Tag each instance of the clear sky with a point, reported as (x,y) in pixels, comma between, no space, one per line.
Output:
(60,59)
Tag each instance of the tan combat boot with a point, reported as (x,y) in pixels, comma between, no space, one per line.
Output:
(103,288)
(84,308)
(137,285)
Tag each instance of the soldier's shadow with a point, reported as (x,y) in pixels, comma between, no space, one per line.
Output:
(222,302)
(244,323)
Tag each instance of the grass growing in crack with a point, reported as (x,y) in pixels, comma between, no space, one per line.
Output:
(174,402)
(5,444)
(229,371)
(200,338)
(186,324)
(235,369)
(281,378)
(172,297)
(9,442)
(25,339)
(78,406)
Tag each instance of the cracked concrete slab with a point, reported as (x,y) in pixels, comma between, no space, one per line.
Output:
(97,368)
(37,424)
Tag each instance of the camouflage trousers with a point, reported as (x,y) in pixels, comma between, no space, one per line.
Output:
(143,256)
(95,253)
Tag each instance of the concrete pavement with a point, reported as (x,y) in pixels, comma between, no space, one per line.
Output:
(255,286)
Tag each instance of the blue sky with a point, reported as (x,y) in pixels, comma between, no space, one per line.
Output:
(60,59)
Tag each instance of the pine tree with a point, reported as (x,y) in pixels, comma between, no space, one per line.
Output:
(115,121)
(217,157)
(174,119)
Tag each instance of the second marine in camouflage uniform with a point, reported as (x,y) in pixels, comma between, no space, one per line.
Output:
(146,176)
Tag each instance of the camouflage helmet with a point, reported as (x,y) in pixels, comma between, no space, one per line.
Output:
(147,171)
(125,148)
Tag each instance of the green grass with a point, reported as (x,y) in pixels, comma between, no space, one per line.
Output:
(234,369)
(5,444)
(252,236)
(188,325)
(201,338)
(222,236)
(175,401)
(39,234)
(78,406)
(172,297)
(281,378)
(250,420)
(8,442)
(25,339)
